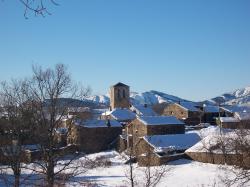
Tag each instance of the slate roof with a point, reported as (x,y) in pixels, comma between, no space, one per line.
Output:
(160,120)
(163,143)
(188,106)
(143,111)
(120,84)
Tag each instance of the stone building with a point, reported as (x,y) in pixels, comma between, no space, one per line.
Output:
(119,96)
(210,113)
(80,112)
(92,136)
(228,122)
(152,125)
(186,111)
(159,149)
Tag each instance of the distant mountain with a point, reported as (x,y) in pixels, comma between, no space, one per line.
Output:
(150,97)
(237,97)
(99,99)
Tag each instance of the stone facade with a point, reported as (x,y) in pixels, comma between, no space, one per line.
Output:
(146,156)
(137,129)
(159,108)
(189,117)
(92,140)
(234,125)
(119,96)
(216,158)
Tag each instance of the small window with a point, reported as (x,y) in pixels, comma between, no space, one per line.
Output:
(119,93)
(124,93)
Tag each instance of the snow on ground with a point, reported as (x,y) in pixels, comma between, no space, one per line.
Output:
(183,173)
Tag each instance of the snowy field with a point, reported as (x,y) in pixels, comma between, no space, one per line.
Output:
(183,173)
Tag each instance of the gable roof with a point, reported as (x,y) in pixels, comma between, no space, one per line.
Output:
(143,111)
(164,143)
(160,120)
(122,114)
(120,84)
(190,106)
(211,109)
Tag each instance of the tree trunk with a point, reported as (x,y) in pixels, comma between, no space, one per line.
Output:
(50,174)
(17,180)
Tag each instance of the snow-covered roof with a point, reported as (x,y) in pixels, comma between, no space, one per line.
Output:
(242,115)
(217,143)
(142,110)
(160,120)
(229,119)
(98,123)
(164,143)
(121,114)
(211,109)
(190,106)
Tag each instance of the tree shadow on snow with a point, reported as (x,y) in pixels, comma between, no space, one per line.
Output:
(180,162)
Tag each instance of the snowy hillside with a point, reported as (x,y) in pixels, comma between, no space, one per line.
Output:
(99,99)
(240,96)
(150,97)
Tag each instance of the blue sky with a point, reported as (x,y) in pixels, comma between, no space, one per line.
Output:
(194,49)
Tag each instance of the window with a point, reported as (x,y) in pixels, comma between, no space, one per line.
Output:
(123,93)
(119,93)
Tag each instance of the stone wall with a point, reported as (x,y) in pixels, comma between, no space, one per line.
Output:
(159,108)
(122,146)
(138,130)
(92,140)
(230,159)
(165,129)
(175,110)
(117,97)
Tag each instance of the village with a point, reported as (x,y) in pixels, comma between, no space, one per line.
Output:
(124,93)
(148,135)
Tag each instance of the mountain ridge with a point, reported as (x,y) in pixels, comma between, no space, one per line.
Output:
(236,97)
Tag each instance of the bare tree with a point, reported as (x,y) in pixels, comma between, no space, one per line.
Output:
(240,145)
(48,87)
(230,147)
(130,172)
(16,127)
(151,175)
(38,7)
